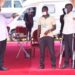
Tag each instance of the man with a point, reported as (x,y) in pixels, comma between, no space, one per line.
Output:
(62,22)
(28,18)
(3,39)
(68,31)
(45,29)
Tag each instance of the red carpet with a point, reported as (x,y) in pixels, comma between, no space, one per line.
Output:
(23,66)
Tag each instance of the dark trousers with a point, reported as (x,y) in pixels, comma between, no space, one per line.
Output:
(68,46)
(2,51)
(29,28)
(29,35)
(47,42)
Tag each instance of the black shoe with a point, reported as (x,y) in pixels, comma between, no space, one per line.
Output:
(42,66)
(3,68)
(65,66)
(53,66)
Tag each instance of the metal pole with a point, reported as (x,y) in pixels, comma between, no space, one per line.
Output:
(73,51)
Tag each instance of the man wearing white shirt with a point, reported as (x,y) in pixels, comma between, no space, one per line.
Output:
(3,39)
(68,31)
(46,27)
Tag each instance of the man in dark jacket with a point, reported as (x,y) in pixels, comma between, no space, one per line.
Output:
(62,22)
(28,18)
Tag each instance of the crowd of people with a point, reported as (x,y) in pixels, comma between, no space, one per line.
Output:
(46,26)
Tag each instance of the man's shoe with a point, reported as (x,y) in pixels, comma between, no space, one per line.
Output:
(3,68)
(65,66)
(42,66)
(53,66)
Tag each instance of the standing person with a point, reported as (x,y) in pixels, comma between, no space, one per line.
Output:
(62,22)
(46,27)
(61,28)
(3,39)
(28,18)
(68,31)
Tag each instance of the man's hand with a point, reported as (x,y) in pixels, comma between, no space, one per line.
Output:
(47,32)
(74,18)
(50,30)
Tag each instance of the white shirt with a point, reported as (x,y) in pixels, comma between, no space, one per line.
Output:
(69,24)
(46,24)
(3,28)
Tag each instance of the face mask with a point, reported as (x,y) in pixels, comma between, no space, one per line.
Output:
(65,10)
(43,13)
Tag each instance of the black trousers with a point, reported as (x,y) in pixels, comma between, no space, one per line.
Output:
(68,47)
(47,42)
(29,28)
(2,51)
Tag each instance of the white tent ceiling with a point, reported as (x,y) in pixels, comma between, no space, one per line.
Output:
(28,2)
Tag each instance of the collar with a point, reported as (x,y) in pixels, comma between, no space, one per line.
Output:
(46,16)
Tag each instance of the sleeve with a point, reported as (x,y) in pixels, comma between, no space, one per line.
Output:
(5,21)
(39,21)
(73,12)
